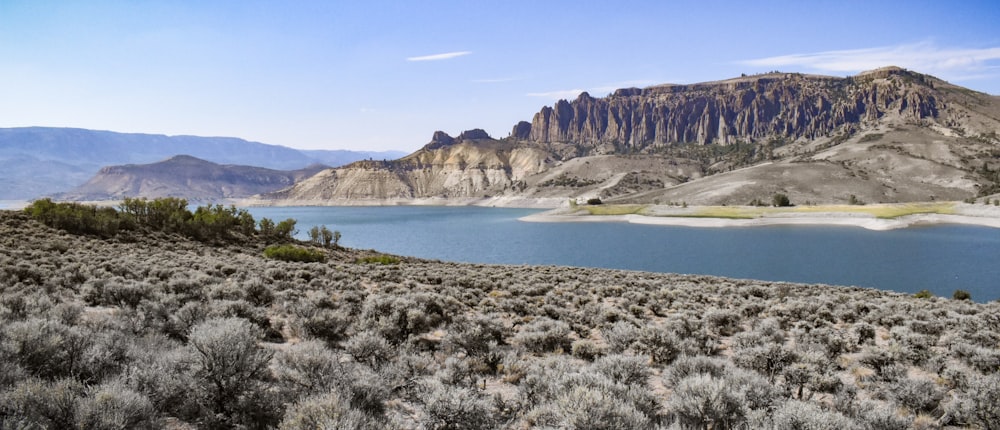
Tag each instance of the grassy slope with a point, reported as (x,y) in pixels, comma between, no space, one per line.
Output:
(434,344)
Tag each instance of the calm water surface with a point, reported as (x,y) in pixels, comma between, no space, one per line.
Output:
(937,258)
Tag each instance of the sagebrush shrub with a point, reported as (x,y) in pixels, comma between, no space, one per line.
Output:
(919,395)
(369,348)
(704,401)
(620,336)
(623,369)
(979,404)
(46,348)
(232,367)
(584,407)
(544,335)
(687,365)
(113,405)
(659,343)
(42,404)
(450,407)
(326,411)
(308,368)
(878,416)
(795,414)
(769,359)
(586,349)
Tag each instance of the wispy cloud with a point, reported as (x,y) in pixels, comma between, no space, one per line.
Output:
(924,57)
(596,91)
(438,57)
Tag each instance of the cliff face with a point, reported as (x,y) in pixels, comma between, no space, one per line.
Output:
(886,135)
(747,109)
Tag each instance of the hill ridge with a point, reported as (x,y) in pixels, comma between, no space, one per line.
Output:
(884,135)
(41,161)
(186,177)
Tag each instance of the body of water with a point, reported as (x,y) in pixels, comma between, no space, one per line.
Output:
(939,258)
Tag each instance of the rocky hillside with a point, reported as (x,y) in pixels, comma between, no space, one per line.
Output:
(788,106)
(186,177)
(471,165)
(887,135)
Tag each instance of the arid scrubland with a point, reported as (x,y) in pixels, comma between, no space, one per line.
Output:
(153,330)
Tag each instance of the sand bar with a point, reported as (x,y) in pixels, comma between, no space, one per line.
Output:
(960,213)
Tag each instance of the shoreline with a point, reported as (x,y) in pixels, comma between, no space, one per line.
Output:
(901,215)
(964,214)
(504,202)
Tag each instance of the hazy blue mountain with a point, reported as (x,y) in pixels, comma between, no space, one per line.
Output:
(39,161)
(186,177)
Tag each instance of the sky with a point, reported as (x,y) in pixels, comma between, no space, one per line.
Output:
(384,75)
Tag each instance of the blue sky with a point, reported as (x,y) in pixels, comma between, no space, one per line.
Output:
(377,75)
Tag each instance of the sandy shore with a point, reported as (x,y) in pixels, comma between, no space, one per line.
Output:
(506,202)
(963,214)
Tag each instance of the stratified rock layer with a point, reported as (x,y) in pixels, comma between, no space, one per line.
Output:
(745,109)
(887,135)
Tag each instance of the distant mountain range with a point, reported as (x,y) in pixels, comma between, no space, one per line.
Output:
(886,135)
(39,161)
(186,177)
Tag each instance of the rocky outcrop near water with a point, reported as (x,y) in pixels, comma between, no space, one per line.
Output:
(886,135)
(472,165)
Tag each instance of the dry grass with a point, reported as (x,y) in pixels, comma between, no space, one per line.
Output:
(885,211)
(615,209)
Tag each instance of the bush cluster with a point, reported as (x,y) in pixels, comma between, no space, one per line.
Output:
(382,259)
(164,331)
(168,215)
(294,253)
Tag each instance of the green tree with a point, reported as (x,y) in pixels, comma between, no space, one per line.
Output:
(314,235)
(267,228)
(780,200)
(961,295)
(327,236)
(285,230)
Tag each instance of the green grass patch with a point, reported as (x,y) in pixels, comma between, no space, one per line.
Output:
(615,209)
(378,259)
(294,253)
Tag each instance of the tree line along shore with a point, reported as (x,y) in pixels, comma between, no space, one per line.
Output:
(171,327)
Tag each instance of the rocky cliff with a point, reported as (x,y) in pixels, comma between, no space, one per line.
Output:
(186,177)
(885,135)
(745,109)
(473,165)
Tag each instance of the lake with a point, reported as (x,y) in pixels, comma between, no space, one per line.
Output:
(939,258)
